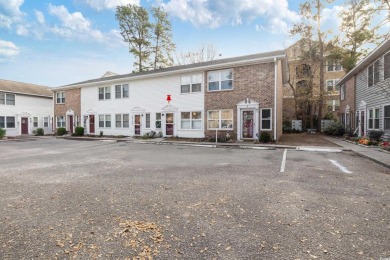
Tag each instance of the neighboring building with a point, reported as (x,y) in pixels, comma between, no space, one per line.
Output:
(25,107)
(300,73)
(241,95)
(369,83)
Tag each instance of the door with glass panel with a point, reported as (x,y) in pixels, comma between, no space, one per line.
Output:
(247,123)
(137,124)
(169,123)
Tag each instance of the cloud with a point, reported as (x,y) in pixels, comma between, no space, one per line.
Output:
(73,25)
(109,4)
(215,13)
(40,17)
(8,50)
(10,12)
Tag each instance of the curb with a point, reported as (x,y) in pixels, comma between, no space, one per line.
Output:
(373,159)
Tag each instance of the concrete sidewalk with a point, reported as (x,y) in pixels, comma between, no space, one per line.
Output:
(373,153)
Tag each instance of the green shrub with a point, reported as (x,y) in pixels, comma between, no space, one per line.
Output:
(40,132)
(101,134)
(265,137)
(79,131)
(61,131)
(375,135)
(2,132)
(149,135)
(335,129)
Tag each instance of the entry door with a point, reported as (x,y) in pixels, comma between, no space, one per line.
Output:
(137,124)
(362,123)
(247,124)
(71,124)
(169,124)
(24,126)
(91,124)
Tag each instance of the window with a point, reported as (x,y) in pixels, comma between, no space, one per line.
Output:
(373,118)
(373,73)
(147,120)
(2,122)
(60,97)
(266,118)
(10,121)
(332,65)
(118,91)
(45,122)
(191,120)
(2,99)
(10,99)
(35,121)
(191,84)
(303,70)
(105,121)
(125,120)
(118,120)
(342,92)
(333,105)
(158,120)
(104,93)
(386,65)
(122,91)
(386,117)
(60,121)
(332,86)
(220,80)
(220,119)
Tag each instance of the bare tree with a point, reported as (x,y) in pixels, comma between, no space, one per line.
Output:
(205,52)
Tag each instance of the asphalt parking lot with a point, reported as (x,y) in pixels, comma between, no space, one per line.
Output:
(88,200)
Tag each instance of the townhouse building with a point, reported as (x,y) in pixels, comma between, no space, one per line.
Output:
(25,107)
(239,96)
(365,93)
(299,100)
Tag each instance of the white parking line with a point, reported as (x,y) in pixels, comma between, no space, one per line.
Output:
(284,161)
(342,168)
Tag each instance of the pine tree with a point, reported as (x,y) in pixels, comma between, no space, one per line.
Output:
(162,39)
(135,29)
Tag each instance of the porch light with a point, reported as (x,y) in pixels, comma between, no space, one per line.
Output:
(169,98)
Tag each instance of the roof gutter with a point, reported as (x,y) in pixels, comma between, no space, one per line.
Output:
(26,94)
(158,74)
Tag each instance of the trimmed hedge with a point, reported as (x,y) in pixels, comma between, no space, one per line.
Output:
(61,131)
(79,131)
(2,132)
(265,137)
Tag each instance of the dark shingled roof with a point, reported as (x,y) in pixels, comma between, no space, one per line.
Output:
(24,88)
(183,67)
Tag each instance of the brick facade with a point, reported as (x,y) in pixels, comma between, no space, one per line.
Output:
(72,102)
(293,57)
(256,82)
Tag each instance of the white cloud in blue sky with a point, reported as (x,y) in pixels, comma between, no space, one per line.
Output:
(54,42)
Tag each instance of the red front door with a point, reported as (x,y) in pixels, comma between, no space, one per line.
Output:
(71,124)
(91,124)
(24,126)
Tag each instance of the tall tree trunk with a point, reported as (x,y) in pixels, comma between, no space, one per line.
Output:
(321,69)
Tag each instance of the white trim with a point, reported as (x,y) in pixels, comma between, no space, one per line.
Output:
(275,101)
(220,80)
(383,116)
(248,105)
(261,120)
(373,122)
(63,97)
(191,120)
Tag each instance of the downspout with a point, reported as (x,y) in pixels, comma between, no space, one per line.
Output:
(275,98)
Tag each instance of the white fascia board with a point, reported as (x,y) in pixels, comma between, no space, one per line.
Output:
(25,94)
(180,71)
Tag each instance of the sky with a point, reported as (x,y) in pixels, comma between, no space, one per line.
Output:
(55,43)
